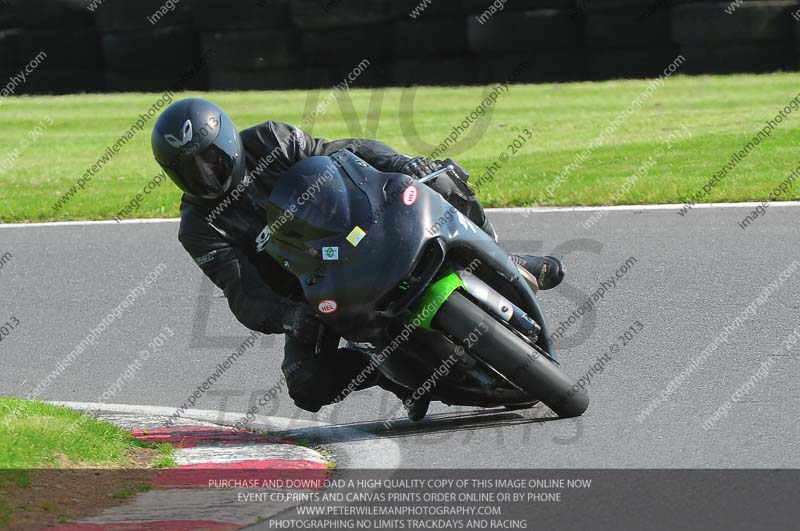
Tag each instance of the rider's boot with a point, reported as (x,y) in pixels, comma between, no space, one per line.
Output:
(548,271)
(416,408)
(541,272)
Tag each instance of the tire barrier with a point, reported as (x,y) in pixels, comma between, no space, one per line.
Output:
(213,15)
(370,74)
(324,47)
(253,49)
(327,14)
(436,71)
(646,62)
(476,7)
(730,59)
(60,36)
(526,31)
(268,79)
(122,45)
(149,80)
(439,36)
(9,47)
(158,48)
(626,25)
(756,36)
(125,15)
(534,68)
(416,10)
(47,80)
(65,48)
(8,14)
(709,24)
(54,14)
(628,38)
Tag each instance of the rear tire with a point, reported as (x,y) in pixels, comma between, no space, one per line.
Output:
(512,357)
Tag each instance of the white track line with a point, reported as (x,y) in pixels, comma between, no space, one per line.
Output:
(512,210)
(363,450)
(676,207)
(81,223)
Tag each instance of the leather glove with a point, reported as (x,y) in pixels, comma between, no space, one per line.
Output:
(419,167)
(299,321)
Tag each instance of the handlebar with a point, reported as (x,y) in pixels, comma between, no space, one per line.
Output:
(435,174)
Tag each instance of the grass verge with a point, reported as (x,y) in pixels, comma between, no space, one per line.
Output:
(40,435)
(689,126)
(57,464)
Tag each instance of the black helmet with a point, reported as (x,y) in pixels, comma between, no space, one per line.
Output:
(199,148)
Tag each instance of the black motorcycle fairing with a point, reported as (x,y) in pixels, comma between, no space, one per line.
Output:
(318,202)
(483,386)
(400,222)
(353,215)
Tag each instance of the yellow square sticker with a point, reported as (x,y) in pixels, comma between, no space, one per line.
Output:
(356,235)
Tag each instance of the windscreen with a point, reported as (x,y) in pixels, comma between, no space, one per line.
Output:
(310,201)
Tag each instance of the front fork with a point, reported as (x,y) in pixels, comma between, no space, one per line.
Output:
(500,307)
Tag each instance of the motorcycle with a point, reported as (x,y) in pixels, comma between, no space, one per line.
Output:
(434,301)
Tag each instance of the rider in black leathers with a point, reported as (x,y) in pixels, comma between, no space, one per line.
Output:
(227,177)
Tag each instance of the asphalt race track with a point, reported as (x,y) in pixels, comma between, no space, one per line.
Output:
(690,277)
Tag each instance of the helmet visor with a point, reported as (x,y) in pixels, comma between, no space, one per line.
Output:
(206,173)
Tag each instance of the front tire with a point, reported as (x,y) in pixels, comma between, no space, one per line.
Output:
(517,407)
(512,357)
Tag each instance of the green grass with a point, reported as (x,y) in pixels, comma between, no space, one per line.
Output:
(127,492)
(36,435)
(720,114)
(166,459)
(39,435)
(6,513)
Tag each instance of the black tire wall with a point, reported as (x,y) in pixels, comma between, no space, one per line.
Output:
(96,45)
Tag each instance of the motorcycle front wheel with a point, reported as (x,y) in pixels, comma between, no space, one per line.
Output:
(521,364)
